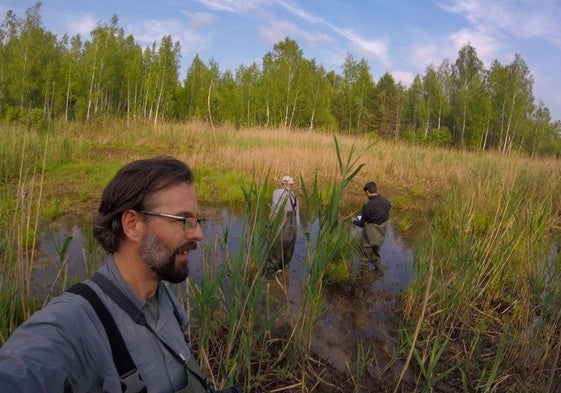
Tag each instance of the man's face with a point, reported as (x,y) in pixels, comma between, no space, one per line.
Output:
(165,245)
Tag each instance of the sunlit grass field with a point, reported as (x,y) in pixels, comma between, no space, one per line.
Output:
(482,314)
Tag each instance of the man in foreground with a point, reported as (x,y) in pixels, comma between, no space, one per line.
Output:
(148,222)
(374,222)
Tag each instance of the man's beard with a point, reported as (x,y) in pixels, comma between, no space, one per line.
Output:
(162,260)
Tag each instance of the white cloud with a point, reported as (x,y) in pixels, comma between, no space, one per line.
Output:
(82,25)
(234,6)
(276,31)
(370,48)
(427,54)
(365,47)
(524,19)
(485,44)
(151,31)
(404,77)
(154,30)
(301,13)
(199,20)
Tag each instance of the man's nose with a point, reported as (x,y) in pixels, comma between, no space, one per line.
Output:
(195,234)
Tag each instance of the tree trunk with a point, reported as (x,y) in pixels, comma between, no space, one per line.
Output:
(209,109)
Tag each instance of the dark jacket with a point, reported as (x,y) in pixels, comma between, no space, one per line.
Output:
(375,211)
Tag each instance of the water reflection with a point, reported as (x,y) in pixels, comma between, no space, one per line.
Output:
(363,310)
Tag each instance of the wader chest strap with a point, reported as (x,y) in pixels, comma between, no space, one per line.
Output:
(130,378)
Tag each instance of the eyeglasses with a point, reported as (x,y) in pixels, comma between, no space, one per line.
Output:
(189,223)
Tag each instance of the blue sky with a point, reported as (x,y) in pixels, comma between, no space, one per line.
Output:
(399,36)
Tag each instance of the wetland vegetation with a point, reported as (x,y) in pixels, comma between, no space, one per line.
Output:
(481,314)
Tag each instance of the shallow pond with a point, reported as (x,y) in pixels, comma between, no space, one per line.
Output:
(362,311)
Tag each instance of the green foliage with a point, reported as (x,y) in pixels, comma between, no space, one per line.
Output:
(365,356)
(92,252)
(413,136)
(338,272)
(112,76)
(22,152)
(219,187)
(52,208)
(440,137)
(430,361)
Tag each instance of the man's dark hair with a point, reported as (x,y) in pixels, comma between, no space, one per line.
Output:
(370,187)
(133,187)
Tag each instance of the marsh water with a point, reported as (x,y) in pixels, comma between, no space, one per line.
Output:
(362,311)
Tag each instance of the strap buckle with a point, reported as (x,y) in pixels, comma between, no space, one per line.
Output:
(131,382)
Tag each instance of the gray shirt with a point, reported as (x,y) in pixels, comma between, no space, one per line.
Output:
(65,344)
(283,196)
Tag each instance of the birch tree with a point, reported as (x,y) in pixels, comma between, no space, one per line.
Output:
(468,83)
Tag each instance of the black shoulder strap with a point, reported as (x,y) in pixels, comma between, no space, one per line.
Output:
(293,200)
(134,312)
(118,297)
(121,356)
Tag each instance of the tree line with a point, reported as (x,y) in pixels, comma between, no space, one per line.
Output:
(459,104)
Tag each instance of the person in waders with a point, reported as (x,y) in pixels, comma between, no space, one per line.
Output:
(374,222)
(284,202)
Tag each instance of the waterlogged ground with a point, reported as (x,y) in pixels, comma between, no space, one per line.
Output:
(361,313)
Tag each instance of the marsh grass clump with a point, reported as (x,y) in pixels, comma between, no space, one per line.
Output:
(486,253)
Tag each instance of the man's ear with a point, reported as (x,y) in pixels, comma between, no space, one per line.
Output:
(133,225)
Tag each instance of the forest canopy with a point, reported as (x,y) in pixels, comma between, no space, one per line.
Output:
(460,104)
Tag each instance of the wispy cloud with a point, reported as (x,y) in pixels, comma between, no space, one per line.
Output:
(199,20)
(486,45)
(366,47)
(82,25)
(300,13)
(524,19)
(404,77)
(276,31)
(153,30)
(428,52)
(234,6)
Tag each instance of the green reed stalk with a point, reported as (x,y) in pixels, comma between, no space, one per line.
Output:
(365,356)
(91,252)
(61,249)
(331,237)
(490,241)
(24,173)
(229,304)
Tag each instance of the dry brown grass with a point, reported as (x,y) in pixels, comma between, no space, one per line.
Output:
(415,176)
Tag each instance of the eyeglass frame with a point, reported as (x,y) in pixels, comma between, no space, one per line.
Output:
(187,225)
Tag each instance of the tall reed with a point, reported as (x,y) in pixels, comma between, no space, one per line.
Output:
(24,158)
(489,242)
